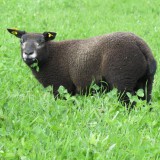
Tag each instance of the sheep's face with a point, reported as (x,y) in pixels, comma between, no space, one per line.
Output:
(33,45)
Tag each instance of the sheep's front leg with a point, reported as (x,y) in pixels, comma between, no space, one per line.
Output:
(71,89)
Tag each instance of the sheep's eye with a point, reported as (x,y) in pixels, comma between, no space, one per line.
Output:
(39,43)
(21,41)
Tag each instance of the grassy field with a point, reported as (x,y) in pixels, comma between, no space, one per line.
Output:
(35,126)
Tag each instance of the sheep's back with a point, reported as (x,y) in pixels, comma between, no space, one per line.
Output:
(113,56)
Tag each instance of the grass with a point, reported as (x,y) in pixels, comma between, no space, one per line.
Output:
(35,126)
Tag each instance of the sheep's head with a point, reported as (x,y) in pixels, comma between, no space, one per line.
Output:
(33,45)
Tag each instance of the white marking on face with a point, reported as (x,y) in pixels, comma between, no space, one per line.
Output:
(24,56)
(39,45)
(23,45)
(32,56)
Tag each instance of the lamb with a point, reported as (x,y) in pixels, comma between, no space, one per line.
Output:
(121,59)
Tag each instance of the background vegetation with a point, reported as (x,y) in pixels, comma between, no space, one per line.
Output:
(35,126)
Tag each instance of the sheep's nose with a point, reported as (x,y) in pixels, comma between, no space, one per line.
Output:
(29,53)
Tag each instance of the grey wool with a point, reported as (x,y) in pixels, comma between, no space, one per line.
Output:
(121,59)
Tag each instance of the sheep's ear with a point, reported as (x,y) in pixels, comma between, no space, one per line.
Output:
(16,32)
(49,35)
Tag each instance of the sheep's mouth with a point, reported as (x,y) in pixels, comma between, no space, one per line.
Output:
(30,61)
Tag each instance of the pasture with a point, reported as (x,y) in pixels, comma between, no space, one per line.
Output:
(35,126)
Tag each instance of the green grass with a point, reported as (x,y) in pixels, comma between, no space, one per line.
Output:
(35,126)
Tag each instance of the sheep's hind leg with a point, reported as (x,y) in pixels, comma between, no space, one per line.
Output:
(145,83)
(123,88)
(141,84)
(150,80)
(124,99)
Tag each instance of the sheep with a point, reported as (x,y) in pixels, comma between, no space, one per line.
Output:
(122,60)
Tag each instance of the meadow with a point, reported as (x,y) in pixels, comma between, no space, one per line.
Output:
(35,126)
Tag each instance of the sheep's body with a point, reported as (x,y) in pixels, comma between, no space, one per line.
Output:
(122,60)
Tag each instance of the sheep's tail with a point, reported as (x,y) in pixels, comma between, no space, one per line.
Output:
(151,66)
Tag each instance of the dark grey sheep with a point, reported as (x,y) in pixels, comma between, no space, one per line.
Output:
(122,60)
